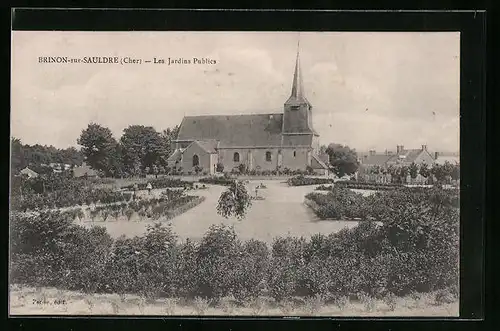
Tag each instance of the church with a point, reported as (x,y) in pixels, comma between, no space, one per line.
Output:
(259,141)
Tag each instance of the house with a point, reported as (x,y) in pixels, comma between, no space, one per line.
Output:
(259,141)
(442,159)
(406,157)
(29,173)
(402,157)
(84,171)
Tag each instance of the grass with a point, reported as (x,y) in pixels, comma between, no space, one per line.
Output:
(99,304)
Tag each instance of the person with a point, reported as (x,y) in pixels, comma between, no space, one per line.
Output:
(149,187)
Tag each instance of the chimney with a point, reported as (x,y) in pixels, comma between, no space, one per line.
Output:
(424,147)
(399,149)
(436,154)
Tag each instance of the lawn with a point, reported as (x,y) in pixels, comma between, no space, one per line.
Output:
(50,301)
(281,213)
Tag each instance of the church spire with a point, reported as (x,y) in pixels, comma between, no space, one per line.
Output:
(297,94)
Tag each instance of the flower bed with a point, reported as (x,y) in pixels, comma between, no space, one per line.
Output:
(80,195)
(302,180)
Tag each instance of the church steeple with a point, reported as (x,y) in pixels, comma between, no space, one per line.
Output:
(297,95)
(297,117)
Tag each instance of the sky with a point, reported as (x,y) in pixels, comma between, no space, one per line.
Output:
(371,90)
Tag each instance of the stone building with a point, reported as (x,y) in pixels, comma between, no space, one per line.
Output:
(259,141)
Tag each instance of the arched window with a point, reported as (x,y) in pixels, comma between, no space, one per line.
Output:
(268,157)
(236,157)
(196,160)
(294,153)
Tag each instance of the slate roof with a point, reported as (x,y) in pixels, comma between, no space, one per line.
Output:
(260,130)
(410,155)
(376,159)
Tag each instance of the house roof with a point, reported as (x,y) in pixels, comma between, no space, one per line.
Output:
(376,159)
(234,130)
(451,159)
(319,162)
(28,171)
(176,155)
(82,170)
(208,146)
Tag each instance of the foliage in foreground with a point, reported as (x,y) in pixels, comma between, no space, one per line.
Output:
(415,250)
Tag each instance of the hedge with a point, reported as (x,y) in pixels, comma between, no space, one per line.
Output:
(217,180)
(302,180)
(368,186)
(415,249)
(342,203)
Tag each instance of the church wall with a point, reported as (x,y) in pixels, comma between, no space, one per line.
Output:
(299,161)
(203,157)
(258,158)
(315,144)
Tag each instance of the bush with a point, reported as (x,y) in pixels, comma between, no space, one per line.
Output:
(216,258)
(302,180)
(217,180)
(250,275)
(220,167)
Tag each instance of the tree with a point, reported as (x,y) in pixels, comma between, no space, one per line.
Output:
(413,169)
(18,161)
(167,138)
(343,159)
(440,172)
(455,173)
(98,147)
(403,172)
(424,170)
(235,201)
(141,146)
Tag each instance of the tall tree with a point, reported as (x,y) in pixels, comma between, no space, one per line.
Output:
(18,161)
(98,147)
(343,159)
(168,136)
(142,146)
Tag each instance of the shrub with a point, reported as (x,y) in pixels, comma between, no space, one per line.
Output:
(301,180)
(216,259)
(252,268)
(220,167)
(217,180)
